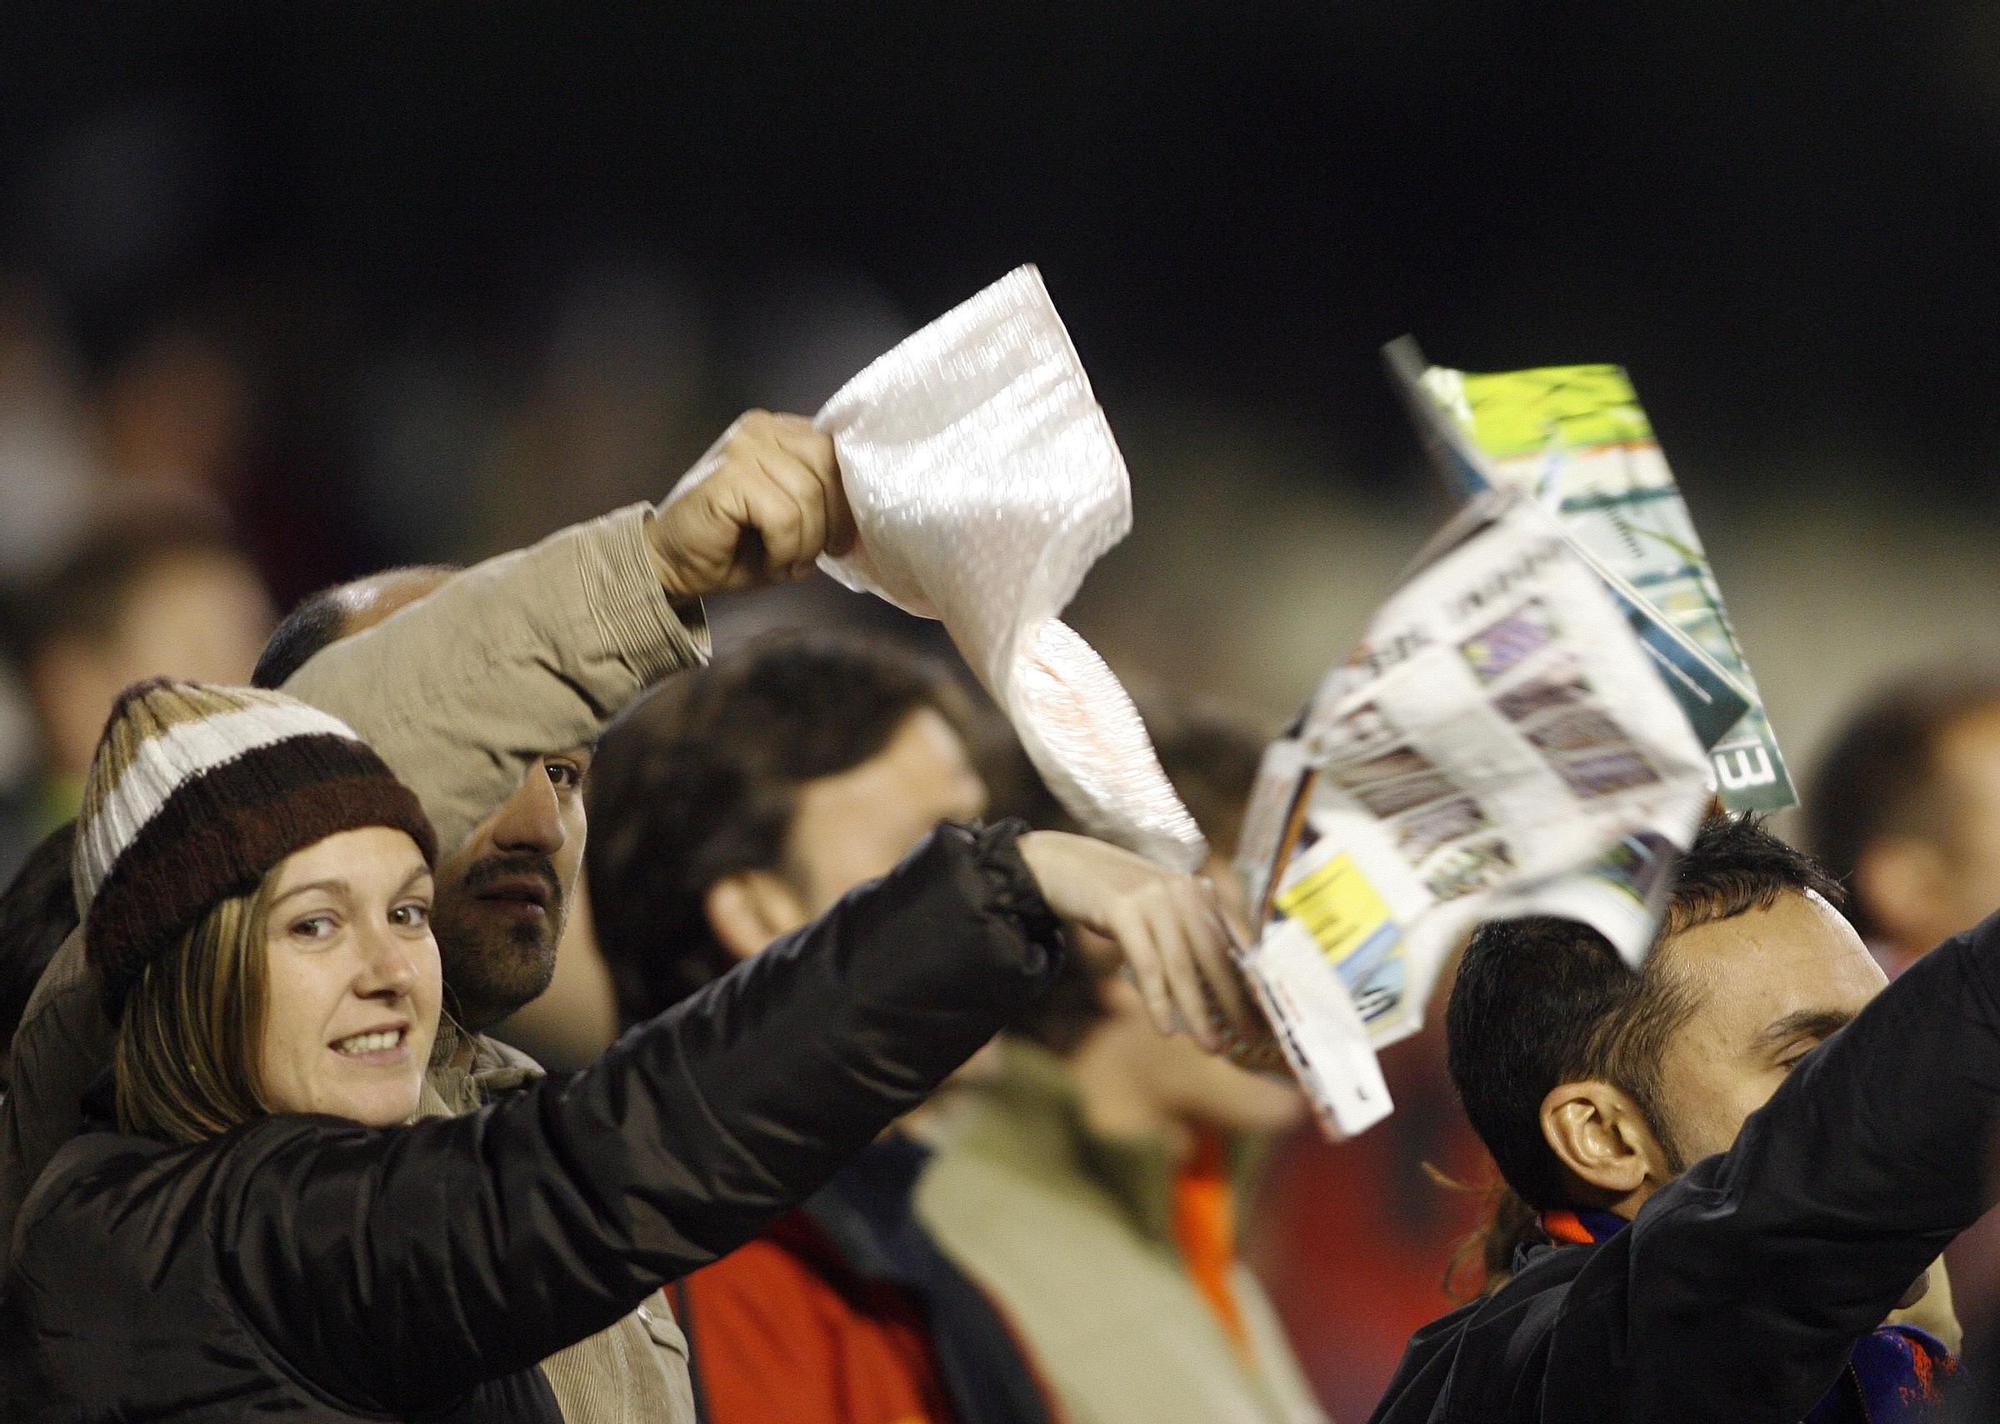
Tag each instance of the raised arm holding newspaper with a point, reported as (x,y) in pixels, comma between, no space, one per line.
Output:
(1741,1152)
(1699,1257)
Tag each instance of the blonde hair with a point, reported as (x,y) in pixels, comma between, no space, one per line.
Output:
(190,1042)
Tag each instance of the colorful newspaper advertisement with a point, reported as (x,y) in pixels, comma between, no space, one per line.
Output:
(1499,746)
(1576,439)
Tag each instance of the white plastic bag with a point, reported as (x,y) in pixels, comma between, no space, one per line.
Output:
(985,483)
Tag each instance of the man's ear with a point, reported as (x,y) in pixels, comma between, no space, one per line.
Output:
(749,908)
(1602,1139)
(1902,880)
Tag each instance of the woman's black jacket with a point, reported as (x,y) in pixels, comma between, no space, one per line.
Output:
(305,1267)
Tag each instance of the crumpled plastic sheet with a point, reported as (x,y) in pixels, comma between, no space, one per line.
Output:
(985,483)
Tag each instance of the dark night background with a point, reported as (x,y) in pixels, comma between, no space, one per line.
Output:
(1780,217)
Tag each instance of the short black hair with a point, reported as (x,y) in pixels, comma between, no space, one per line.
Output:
(315,622)
(37,913)
(1879,776)
(318,620)
(1542,1001)
(700,779)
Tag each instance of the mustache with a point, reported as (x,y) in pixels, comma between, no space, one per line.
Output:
(496,868)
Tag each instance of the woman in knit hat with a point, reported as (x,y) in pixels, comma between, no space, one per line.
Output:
(247,1243)
(257,889)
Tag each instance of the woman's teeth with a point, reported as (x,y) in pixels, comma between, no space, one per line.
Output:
(369,1042)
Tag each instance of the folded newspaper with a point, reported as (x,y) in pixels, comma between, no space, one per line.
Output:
(1500,745)
(1576,439)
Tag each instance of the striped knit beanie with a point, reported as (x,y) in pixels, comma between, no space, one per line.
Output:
(194,793)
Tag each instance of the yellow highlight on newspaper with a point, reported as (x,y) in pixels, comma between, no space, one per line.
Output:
(1337,905)
(1517,412)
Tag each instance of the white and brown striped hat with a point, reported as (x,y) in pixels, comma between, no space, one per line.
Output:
(194,793)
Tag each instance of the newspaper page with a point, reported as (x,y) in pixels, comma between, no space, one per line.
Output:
(1498,746)
(1576,439)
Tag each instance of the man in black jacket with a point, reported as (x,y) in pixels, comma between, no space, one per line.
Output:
(1744,1158)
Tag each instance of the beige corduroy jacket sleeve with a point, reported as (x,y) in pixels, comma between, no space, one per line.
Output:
(528,653)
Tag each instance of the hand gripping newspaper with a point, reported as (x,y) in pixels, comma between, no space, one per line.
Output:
(1499,745)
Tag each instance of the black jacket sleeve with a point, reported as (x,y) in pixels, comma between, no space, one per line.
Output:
(391,1270)
(62,1044)
(1740,1289)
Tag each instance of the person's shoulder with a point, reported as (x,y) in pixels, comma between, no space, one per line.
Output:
(63,1034)
(145,1185)
(140,1200)
(1485,1357)
(90,1176)
(122,1275)
(91,1161)
(1535,1296)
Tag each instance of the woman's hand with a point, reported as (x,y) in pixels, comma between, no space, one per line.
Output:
(1169,929)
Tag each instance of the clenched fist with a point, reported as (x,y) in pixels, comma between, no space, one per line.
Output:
(758,508)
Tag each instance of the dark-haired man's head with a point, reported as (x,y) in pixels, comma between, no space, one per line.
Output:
(154,585)
(1905,807)
(1594,1084)
(340,612)
(736,803)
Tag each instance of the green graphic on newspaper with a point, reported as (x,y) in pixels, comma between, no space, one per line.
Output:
(1577,439)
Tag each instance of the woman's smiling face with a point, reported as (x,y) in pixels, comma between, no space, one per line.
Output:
(353,982)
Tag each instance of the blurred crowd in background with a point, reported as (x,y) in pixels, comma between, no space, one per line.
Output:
(207,411)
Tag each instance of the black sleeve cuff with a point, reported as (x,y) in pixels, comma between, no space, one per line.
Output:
(1015,894)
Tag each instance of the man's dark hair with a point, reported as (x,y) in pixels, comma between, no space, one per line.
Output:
(1211,757)
(1541,1001)
(317,620)
(1880,778)
(83,594)
(700,779)
(37,913)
